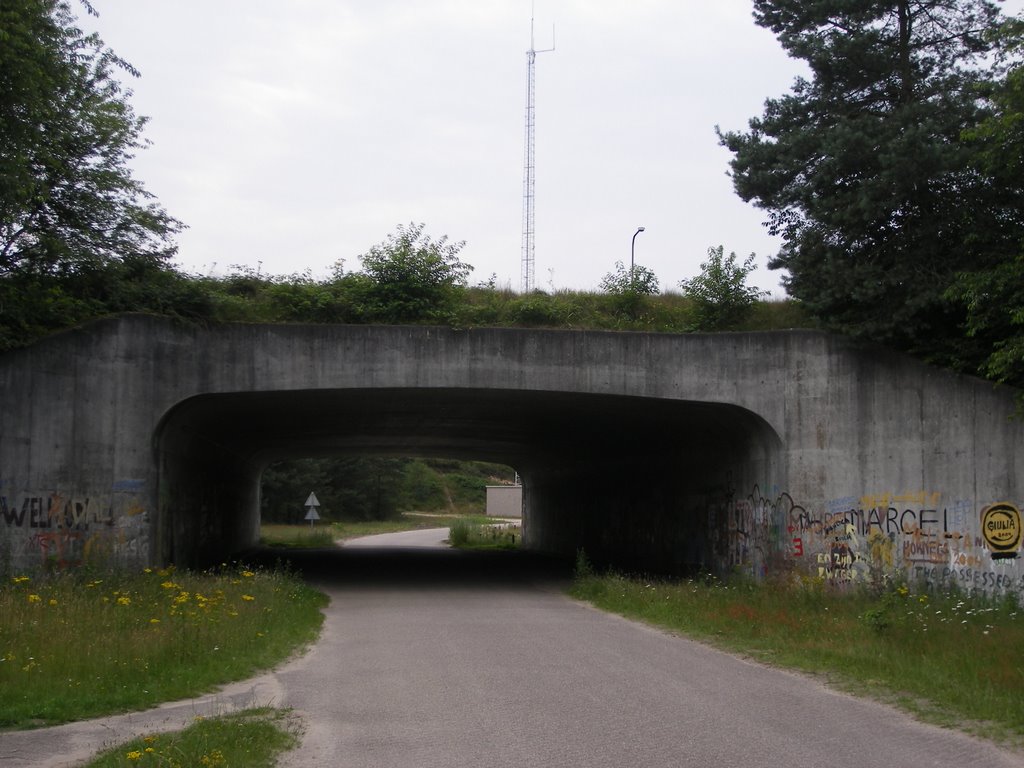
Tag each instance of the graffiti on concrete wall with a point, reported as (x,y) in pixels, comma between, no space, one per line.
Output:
(67,529)
(1000,526)
(745,530)
(920,536)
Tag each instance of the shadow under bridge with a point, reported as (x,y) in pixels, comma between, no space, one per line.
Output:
(635,481)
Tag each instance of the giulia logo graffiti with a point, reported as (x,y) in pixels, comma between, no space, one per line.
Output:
(1000,525)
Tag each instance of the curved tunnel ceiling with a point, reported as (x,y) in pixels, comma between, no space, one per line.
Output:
(515,427)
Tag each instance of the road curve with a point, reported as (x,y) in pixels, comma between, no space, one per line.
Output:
(436,658)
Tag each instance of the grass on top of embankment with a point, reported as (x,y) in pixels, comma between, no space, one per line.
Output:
(75,646)
(947,658)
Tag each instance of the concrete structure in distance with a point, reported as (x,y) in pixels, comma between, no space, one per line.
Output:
(504,501)
(140,441)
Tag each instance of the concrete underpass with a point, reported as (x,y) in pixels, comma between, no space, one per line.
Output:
(626,478)
(139,441)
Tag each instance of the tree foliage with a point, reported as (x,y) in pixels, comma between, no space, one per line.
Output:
(629,287)
(721,296)
(79,236)
(68,200)
(863,170)
(638,280)
(375,487)
(994,297)
(413,278)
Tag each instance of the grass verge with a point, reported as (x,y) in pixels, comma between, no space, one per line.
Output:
(946,658)
(75,646)
(252,738)
(299,536)
(296,536)
(466,533)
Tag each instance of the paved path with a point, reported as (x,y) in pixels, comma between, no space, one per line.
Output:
(434,658)
(427,538)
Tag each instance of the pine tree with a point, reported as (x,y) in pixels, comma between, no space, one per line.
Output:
(863,170)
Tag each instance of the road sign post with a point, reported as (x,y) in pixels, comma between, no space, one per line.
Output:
(311,505)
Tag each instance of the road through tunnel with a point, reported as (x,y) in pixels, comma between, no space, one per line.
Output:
(637,482)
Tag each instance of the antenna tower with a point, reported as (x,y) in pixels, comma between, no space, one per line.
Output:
(528,164)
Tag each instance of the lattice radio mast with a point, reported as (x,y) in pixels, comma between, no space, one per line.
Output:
(528,164)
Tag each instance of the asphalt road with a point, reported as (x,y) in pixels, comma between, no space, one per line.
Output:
(433,657)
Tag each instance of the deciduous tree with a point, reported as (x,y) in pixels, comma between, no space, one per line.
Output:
(413,277)
(720,292)
(68,200)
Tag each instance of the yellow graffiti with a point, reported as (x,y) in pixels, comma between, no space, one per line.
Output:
(1000,525)
(926,499)
(881,549)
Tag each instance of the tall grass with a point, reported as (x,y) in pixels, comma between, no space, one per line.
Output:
(74,646)
(467,533)
(946,657)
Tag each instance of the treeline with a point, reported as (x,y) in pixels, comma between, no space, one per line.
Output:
(376,487)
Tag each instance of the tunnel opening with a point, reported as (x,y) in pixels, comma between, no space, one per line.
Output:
(361,489)
(639,482)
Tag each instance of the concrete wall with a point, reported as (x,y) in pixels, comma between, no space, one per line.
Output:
(137,441)
(504,501)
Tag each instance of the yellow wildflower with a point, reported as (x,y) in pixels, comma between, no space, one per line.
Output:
(134,755)
(124,600)
(248,574)
(215,758)
(34,598)
(248,597)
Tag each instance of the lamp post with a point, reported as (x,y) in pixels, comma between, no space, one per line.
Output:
(632,255)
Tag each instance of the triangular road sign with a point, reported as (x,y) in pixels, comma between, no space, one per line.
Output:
(311,501)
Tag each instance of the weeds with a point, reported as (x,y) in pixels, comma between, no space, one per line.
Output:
(459,533)
(74,645)
(252,738)
(467,534)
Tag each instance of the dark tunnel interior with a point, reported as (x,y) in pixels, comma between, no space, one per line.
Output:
(626,478)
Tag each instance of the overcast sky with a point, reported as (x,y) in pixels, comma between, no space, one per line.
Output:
(292,135)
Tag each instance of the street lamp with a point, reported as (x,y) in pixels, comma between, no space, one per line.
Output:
(632,254)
